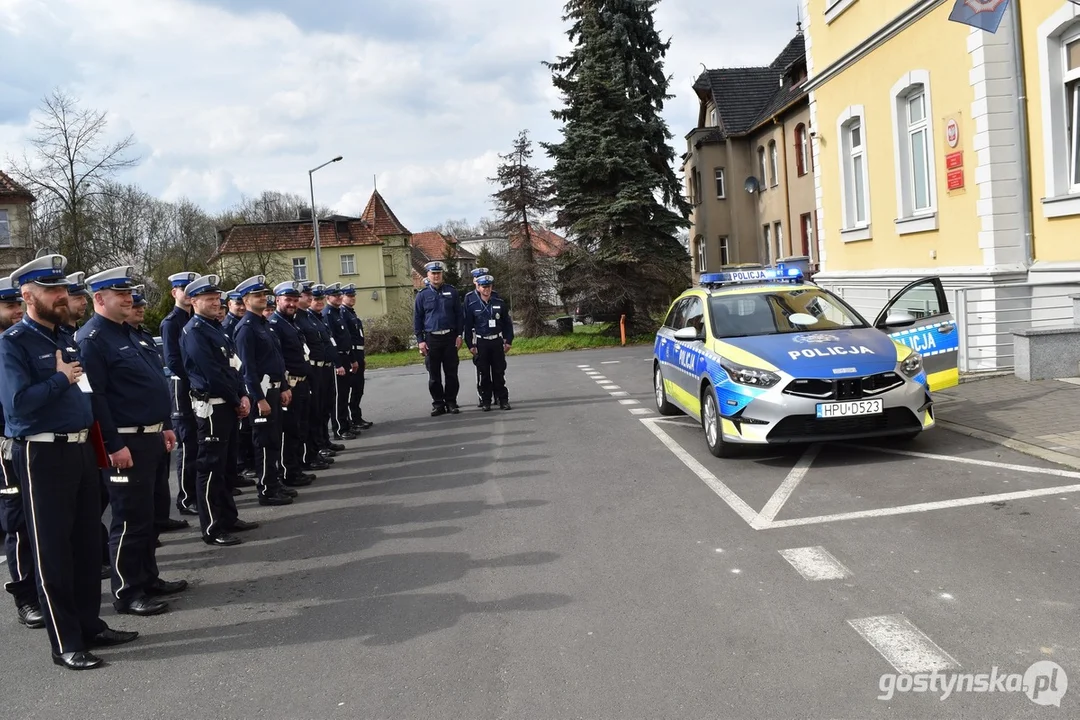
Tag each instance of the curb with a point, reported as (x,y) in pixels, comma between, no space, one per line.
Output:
(1042,453)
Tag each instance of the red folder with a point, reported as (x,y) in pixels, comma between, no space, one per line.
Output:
(98,442)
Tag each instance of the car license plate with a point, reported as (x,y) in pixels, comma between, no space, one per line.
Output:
(849,409)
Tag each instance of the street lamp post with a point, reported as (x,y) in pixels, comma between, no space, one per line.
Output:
(315,219)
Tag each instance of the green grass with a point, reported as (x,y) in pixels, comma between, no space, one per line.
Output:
(582,339)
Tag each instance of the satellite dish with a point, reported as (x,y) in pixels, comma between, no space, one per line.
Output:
(752,185)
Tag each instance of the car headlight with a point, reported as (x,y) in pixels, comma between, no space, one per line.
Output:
(912,365)
(750,376)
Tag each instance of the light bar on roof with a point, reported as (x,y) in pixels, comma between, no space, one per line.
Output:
(780,273)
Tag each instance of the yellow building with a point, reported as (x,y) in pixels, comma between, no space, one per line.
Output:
(370,252)
(925,162)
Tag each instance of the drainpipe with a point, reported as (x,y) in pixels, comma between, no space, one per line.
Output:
(1022,127)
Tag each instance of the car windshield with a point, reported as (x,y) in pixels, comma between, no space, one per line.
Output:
(781,311)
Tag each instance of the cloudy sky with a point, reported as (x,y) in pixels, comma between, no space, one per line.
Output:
(231,97)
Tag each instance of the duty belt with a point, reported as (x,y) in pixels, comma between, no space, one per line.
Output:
(438,332)
(140,429)
(319,363)
(358,347)
(75,437)
(294,379)
(496,336)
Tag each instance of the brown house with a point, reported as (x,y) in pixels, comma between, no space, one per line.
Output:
(748,165)
(428,246)
(15,205)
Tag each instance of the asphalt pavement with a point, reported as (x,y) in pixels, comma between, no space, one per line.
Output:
(580,557)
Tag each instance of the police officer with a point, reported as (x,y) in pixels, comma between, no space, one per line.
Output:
(182,418)
(344,363)
(437,324)
(271,306)
(314,455)
(244,473)
(218,398)
(489,333)
(294,352)
(47,410)
(356,380)
(476,273)
(78,299)
(132,408)
(148,345)
(20,560)
(322,394)
(264,374)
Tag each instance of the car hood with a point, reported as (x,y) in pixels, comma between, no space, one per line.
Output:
(831,354)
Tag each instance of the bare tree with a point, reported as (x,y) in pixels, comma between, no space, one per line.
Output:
(271,206)
(72,161)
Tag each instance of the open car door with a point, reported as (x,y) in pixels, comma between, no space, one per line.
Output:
(919,317)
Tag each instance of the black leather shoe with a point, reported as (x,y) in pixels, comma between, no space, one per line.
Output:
(168,525)
(454,409)
(365,424)
(109,637)
(166,587)
(188,510)
(316,466)
(242,482)
(344,436)
(287,491)
(223,540)
(157,542)
(249,474)
(486,407)
(31,616)
(301,481)
(337,447)
(242,525)
(143,606)
(437,411)
(356,429)
(81,660)
(106,572)
(237,491)
(275,500)
(327,453)
(504,405)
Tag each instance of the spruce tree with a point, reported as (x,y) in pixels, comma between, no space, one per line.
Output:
(614,185)
(523,196)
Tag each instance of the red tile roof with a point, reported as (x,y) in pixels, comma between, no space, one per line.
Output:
(9,189)
(293,235)
(379,215)
(545,243)
(433,246)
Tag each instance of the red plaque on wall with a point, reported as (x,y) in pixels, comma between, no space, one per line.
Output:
(956,178)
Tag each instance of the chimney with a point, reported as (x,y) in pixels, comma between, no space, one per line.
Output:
(303,214)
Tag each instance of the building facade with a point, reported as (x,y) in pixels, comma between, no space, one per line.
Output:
(748,166)
(16,203)
(926,163)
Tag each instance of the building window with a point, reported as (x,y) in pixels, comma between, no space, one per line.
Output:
(699,250)
(806,224)
(721,190)
(774,179)
(761,168)
(767,231)
(299,268)
(778,231)
(1071,80)
(802,150)
(725,257)
(698,190)
(5,229)
(1059,77)
(855,197)
(916,192)
(388,265)
(713,118)
(348,264)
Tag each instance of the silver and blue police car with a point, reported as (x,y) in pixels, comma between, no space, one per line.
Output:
(764,357)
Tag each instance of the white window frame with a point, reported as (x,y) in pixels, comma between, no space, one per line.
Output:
(910,219)
(297,263)
(774,164)
(725,251)
(5,228)
(853,229)
(778,233)
(713,118)
(807,221)
(702,256)
(761,166)
(835,8)
(352,261)
(802,150)
(1062,197)
(721,183)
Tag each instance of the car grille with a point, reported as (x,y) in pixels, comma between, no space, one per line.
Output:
(797,428)
(844,388)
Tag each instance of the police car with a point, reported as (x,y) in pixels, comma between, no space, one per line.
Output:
(765,357)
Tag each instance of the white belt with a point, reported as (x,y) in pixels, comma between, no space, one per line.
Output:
(294,379)
(491,337)
(438,332)
(319,363)
(214,401)
(358,347)
(14,490)
(140,429)
(76,437)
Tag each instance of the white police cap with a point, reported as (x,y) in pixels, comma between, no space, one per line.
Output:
(117,278)
(203,285)
(47,270)
(290,288)
(254,284)
(182,279)
(8,291)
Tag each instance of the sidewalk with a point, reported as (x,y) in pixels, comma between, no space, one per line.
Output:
(1040,418)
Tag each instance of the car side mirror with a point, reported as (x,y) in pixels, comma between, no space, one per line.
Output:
(899,318)
(687,334)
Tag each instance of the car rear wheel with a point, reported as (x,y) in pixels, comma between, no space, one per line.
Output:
(710,421)
(662,405)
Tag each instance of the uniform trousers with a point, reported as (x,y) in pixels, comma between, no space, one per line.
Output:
(20,560)
(476,367)
(356,392)
(266,431)
(442,361)
(342,388)
(329,389)
(131,532)
(491,364)
(162,493)
(245,446)
(61,489)
(217,510)
(312,437)
(294,423)
(187,441)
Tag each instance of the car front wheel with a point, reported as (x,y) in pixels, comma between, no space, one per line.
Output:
(710,421)
(662,405)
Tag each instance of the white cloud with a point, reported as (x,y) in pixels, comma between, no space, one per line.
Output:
(224,102)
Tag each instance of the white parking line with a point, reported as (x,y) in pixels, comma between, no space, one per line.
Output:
(618,393)
(609,386)
(584,366)
(640,411)
(768,513)
(1071,474)
(903,645)
(735,502)
(598,377)
(815,563)
(610,362)
(630,401)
